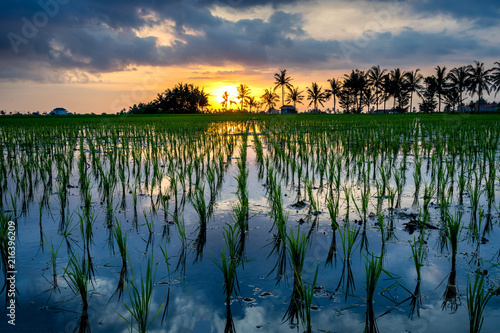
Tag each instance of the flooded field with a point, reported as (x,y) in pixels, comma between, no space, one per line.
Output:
(250,224)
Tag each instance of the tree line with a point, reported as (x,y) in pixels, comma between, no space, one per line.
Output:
(375,89)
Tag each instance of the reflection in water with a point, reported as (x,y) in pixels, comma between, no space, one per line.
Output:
(121,281)
(450,299)
(83,325)
(229,328)
(370,321)
(346,279)
(279,247)
(332,252)
(200,241)
(416,301)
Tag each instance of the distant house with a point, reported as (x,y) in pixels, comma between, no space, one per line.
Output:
(59,112)
(285,109)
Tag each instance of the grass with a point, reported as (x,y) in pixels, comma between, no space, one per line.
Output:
(418,253)
(78,273)
(121,241)
(141,297)
(477,299)
(199,204)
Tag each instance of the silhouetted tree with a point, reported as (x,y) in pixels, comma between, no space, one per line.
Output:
(269,99)
(282,81)
(334,91)
(479,81)
(294,95)
(316,94)
(413,84)
(376,80)
(243,94)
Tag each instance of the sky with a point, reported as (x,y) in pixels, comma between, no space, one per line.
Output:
(103,56)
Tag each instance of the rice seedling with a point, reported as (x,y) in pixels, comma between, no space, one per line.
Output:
(53,258)
(333,209)
(373,268)
(296,246)
(348,235)
(199,204)
(314,202)
(418,253)
(121,241)
(306,294)
(453,229)
(78,274)
(477,299)
(141,297)
(228,267)
(475,193)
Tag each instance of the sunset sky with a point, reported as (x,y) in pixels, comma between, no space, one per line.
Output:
(102,56)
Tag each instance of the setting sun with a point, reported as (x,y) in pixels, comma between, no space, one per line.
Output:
(216,95)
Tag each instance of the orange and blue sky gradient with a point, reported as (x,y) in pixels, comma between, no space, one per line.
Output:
(103,56)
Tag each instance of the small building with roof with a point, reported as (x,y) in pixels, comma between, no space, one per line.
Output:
(286,109)
(59,112)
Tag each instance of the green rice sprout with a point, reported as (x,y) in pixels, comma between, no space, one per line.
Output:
(141,297)
(418,253)
(78,274)
(477,299)
(199,204)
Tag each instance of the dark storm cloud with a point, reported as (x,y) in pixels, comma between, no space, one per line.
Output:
(410,46)
(98,37)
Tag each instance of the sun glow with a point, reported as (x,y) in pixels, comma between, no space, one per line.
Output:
(217,99)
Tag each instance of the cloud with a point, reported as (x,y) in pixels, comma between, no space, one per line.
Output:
(47,40)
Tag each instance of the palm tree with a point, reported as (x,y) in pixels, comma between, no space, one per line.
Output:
(386,86)
(441,81)
(316,94)
(334,91)
(368,97)
(398,88)
(495,78)
(269,99)
(479,81)
(252,102)
(356,82)
(413,84)
(282,81)
(459,79)
(243,94)
(428,102)
(294,95)
(225,99)
(376,80)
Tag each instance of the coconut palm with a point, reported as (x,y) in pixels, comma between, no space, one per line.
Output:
(428,102)
(316,94)
(459,80)
(294,95)
(252,102)
(398,88)
(376,80)
(282,81)
(356,82)
(269,98)
(386,86)
(414,84)
(442,83)
(225,99)
(334,91)
(495,77)
(243,94)
(479,81)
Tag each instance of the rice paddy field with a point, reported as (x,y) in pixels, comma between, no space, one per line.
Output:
(315,223)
